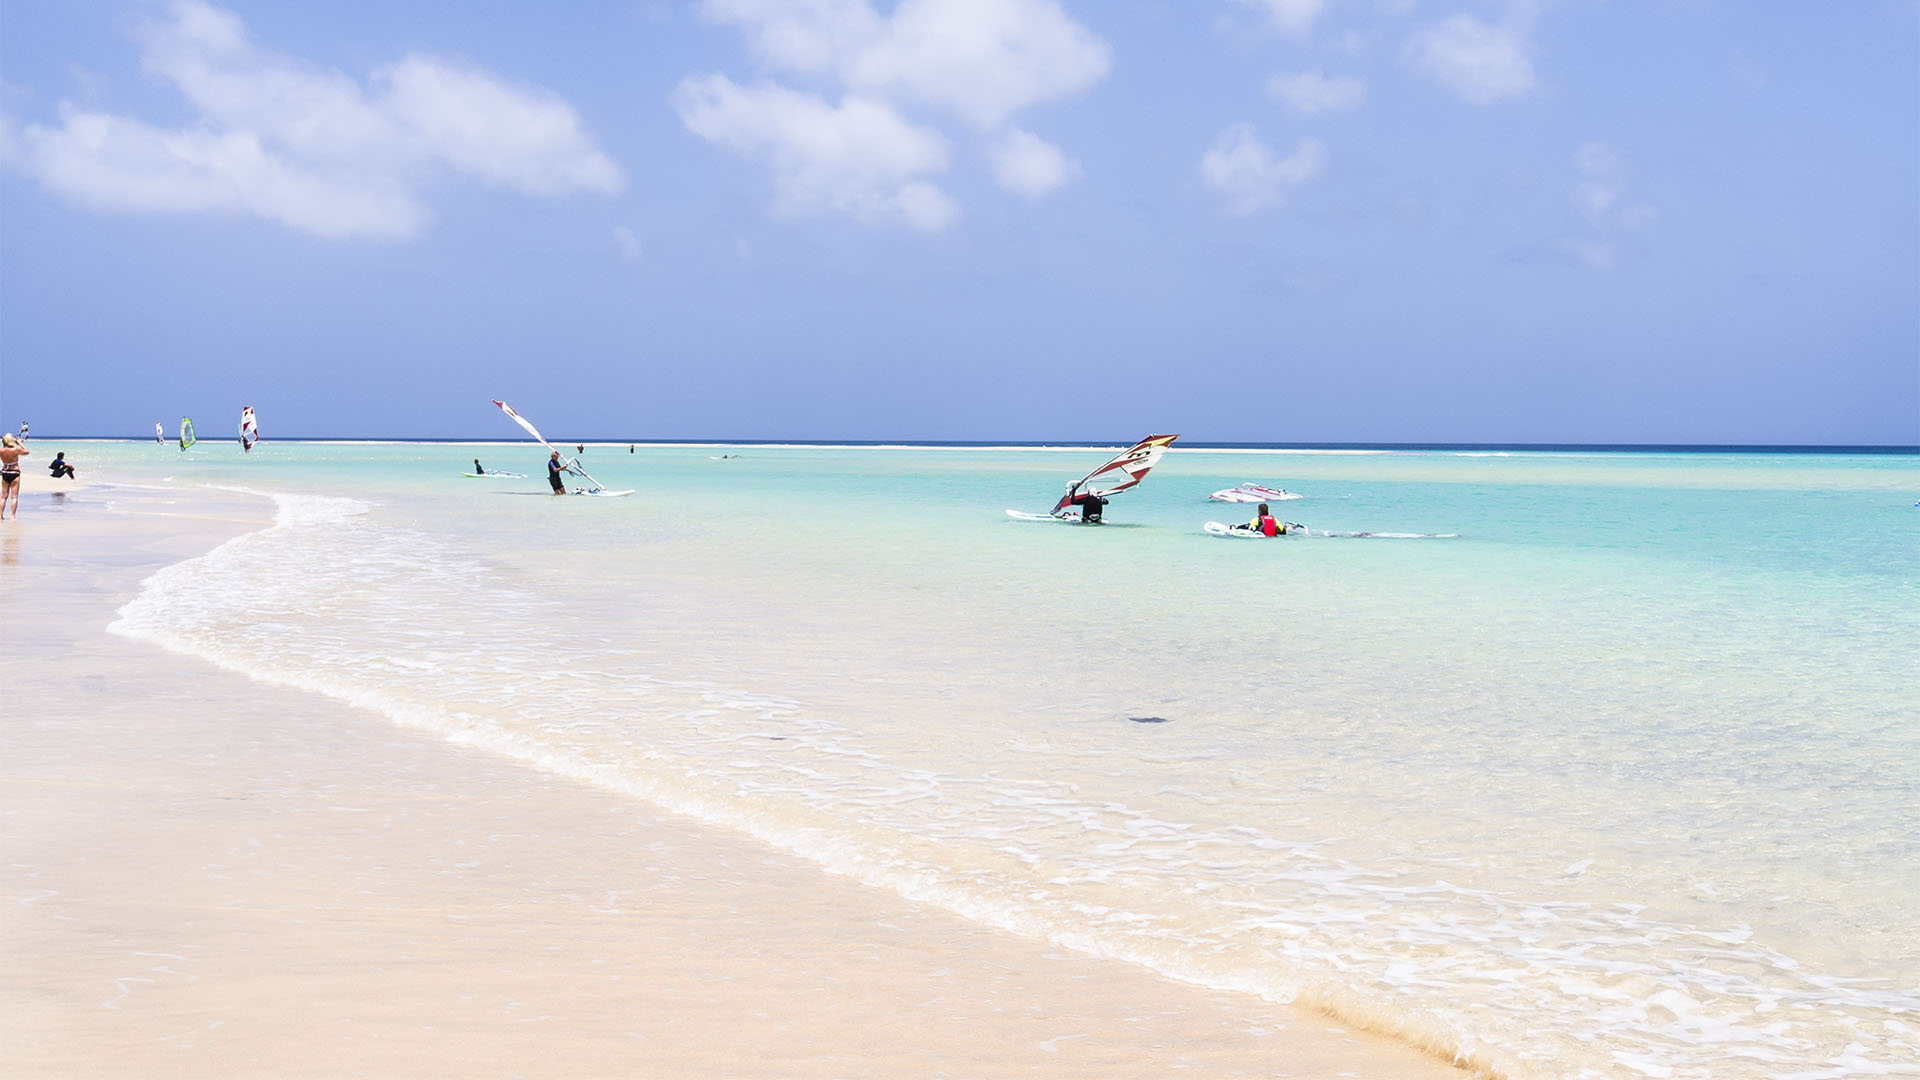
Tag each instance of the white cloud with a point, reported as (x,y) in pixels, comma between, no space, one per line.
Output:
(307,146)
(1289,16)
(1031,166)
(1600,197)
(627,244)
(811,36)
(983,60)
(523,138)
(1480,63)
(1248,173)
(860,157)
(1313,92)
(116,164)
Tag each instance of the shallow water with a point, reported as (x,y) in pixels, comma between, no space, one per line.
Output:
(1621,781)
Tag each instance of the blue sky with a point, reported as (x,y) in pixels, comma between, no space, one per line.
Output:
(1692,221)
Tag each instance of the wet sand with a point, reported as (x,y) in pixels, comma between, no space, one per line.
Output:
(202,876)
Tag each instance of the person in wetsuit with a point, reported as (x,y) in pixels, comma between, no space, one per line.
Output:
(554,468)
(1265,523)
(1090,505)
(59,467)
(477,470)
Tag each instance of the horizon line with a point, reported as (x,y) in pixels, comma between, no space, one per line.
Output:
(1023,444)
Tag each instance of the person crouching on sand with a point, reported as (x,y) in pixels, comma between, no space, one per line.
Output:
(10,452)
(59,467)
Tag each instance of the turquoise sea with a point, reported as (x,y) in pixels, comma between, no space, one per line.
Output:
(1622,781)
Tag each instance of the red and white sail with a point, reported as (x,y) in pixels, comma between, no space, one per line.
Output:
(249,428)
(1122,471)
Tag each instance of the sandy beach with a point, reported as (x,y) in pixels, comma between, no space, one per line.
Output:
(208,877)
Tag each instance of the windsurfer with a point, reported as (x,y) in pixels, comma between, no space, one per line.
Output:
(554,468)
(10,451)
(477,470)
(1091,505)
(1266,524)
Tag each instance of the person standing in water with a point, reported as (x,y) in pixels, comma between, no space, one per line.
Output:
(11,450)
(554,468)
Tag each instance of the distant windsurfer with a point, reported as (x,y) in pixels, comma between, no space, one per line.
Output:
(554,468)
(477,470)
(159,433)
(10,451)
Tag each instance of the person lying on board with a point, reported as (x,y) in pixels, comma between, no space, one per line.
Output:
(1266,524)
(59,467)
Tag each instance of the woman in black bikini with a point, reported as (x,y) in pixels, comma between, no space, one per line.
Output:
(10,451)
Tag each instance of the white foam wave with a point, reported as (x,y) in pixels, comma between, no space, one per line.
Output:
(425,632)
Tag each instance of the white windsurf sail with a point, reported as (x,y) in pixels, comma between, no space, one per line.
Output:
(186,432)
(566,462)
(1251,492)
(1122,471)
(249,428)
(159,433)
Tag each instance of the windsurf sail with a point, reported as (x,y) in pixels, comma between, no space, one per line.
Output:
(159,433)
(1251,492)
(249,428)
(565,461)
(1122,471)
(186,432)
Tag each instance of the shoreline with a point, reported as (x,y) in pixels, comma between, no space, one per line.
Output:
(212,876)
